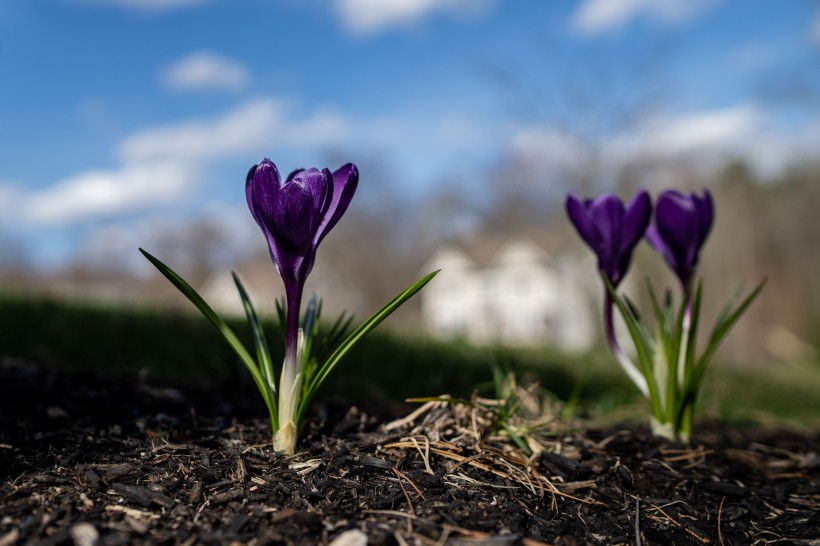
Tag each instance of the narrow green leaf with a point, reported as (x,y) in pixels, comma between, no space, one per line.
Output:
(281,315)
(677,323)
(515,437)
(727,309)
(725,322)
(660,312)
(356,336)
(667,339)
(446,399)
(643,345)
(694,324)
(633,309)
(337,332)
(259,339)
(220,325)
(310,328)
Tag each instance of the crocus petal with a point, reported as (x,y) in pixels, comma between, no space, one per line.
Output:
(636,220)
(320,185)
(607,213)
(677,221)
(656,242)
(579,216)
(293,218)
(345,180)
(682,223)
(293,174)
(611,230)
(296,215)
(706,215)
(264,180)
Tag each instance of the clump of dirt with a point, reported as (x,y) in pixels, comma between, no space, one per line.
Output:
(96,460)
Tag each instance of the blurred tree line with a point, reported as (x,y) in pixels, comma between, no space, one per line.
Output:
(766,225)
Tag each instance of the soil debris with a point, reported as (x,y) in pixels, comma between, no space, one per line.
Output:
(96,460)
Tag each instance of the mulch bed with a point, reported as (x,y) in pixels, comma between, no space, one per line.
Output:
(90,459)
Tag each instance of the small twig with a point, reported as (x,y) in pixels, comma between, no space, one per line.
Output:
(400,539)
(200,509)
(132,512)
(637,521)
(444,526)
(679,524)
(403,476)
(487,468)
(720,513)
(425,455)
(412,416)
(409,502)
(697,455)
(443,538)
(465,460)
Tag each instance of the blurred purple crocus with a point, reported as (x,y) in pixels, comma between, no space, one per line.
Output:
(612,231)
(295,217)
(682,223)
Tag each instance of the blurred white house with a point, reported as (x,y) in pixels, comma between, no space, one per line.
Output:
(524,289)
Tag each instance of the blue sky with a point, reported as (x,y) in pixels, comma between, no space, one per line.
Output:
(122,118)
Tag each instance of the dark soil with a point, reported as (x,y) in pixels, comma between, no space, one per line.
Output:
(95,460)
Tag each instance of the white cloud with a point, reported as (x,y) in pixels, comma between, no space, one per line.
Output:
(598,16)
(206,70)
(456,131)
(255,126)
(705,139)
(545,148)
(162,165)
(246,128)
(708,139)
(144,5)
(752,57)
(701,132)
(370,16)
(100,192)
(7,194)
(235,235)
(815,29)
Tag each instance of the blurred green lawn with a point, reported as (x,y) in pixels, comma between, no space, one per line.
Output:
(386,366)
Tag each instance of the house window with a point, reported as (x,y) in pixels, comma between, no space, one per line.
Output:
(522,283)
(491,285)
(452,289)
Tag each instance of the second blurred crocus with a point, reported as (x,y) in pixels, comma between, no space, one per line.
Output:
(682,223)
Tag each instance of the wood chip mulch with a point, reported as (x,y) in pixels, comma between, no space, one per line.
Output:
(88,460)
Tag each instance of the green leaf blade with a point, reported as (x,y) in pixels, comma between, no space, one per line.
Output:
(228,334)
(365,328)
(259,340)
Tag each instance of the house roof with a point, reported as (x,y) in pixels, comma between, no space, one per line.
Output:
(483,248)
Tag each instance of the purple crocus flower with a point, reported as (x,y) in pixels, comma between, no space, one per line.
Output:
(681,225)
(610,229)
(295,217)
(613,231)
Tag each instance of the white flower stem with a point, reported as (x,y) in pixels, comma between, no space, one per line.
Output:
(290,389)
(626,363)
